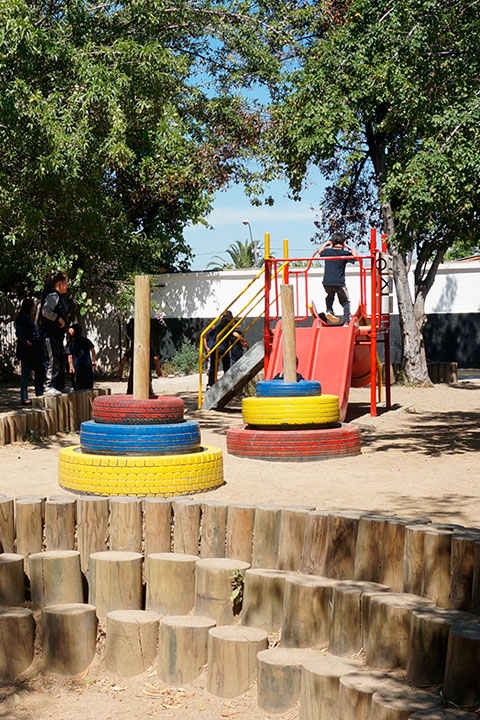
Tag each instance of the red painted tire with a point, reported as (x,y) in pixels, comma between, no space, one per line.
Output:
(125,410)
(294,445)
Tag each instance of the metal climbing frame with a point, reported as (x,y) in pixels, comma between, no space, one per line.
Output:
(374,310)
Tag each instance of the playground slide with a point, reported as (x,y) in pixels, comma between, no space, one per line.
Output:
(325,353)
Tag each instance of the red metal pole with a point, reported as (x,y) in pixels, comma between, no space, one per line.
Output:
(384,243)
(266,320)
(373,324)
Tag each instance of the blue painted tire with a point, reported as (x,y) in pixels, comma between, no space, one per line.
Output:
(280,388)
(171,439)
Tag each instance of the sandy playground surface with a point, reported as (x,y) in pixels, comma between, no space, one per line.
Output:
(418,459)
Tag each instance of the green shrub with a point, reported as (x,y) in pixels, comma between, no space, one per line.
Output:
(185,360)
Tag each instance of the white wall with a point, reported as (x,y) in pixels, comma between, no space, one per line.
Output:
(206,294)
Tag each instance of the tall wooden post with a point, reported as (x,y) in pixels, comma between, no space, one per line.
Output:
(288,328)
(141,339)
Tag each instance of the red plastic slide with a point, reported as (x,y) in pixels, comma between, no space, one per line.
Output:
(325,353)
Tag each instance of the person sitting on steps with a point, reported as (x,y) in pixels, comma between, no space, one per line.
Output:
(334,274)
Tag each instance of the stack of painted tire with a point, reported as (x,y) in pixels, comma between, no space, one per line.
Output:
(292,421)
(139,447)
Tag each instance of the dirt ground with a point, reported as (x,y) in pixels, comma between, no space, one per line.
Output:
(418,459)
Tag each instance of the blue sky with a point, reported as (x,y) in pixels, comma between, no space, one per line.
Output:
(286,219)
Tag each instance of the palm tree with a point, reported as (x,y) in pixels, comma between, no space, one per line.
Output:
(241,254)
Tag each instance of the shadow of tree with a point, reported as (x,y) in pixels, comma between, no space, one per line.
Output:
(432,434)
(451,505)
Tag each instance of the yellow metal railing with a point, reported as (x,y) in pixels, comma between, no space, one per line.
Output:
(229,329)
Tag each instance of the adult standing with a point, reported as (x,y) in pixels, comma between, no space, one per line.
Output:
(29,350)
(53,317)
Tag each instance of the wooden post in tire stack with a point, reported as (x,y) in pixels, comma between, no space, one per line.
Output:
(141,339)
(288,328)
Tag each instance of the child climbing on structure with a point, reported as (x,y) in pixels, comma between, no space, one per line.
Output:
(334,274)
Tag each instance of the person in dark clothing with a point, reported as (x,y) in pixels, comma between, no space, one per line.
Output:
(81,358)
(334,274)
(53,324)
(210,340)
(29,350)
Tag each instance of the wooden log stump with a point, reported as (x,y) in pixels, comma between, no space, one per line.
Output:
(399,704)
(56,578)
(51,404)
(69,633)
(170,580)
(131,641)
(429,631)
(279,677)
(266,531)
(17,636)
(356,691)
(232,659)
(342,529)
(263,599)
(29,526)
(157,513)
(320,685)
(12,580)
(413,558)
(367,552)
(182,651)
(462,679)
(392,551)
(115,581)
(461,570)
(15,426)
(307,604)
(313,552)
(126,522)
(240,522)
(92,527)
(291,537)
(7,525)
(186,528)
(213,529)
(388,630)
(63,410)
(436,566)
(346,623)
(443,714)
(213,588)
(60,517)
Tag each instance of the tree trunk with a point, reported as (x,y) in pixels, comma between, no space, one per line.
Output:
(411,314)
(414,358)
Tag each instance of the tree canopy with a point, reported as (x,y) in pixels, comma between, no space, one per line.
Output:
(116,128)
(384,98)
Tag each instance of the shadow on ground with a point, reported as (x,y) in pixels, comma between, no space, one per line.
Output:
(431,434)
(451,505)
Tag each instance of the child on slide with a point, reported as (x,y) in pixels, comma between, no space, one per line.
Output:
(334,274)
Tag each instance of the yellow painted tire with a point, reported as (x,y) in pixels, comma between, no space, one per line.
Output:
(313,410)
(160,475)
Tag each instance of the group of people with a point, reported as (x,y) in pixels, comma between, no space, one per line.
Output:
(41,345)
(49,346)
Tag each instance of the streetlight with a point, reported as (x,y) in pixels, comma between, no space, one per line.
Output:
(254,244)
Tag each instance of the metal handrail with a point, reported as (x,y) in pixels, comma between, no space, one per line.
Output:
(230,327)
